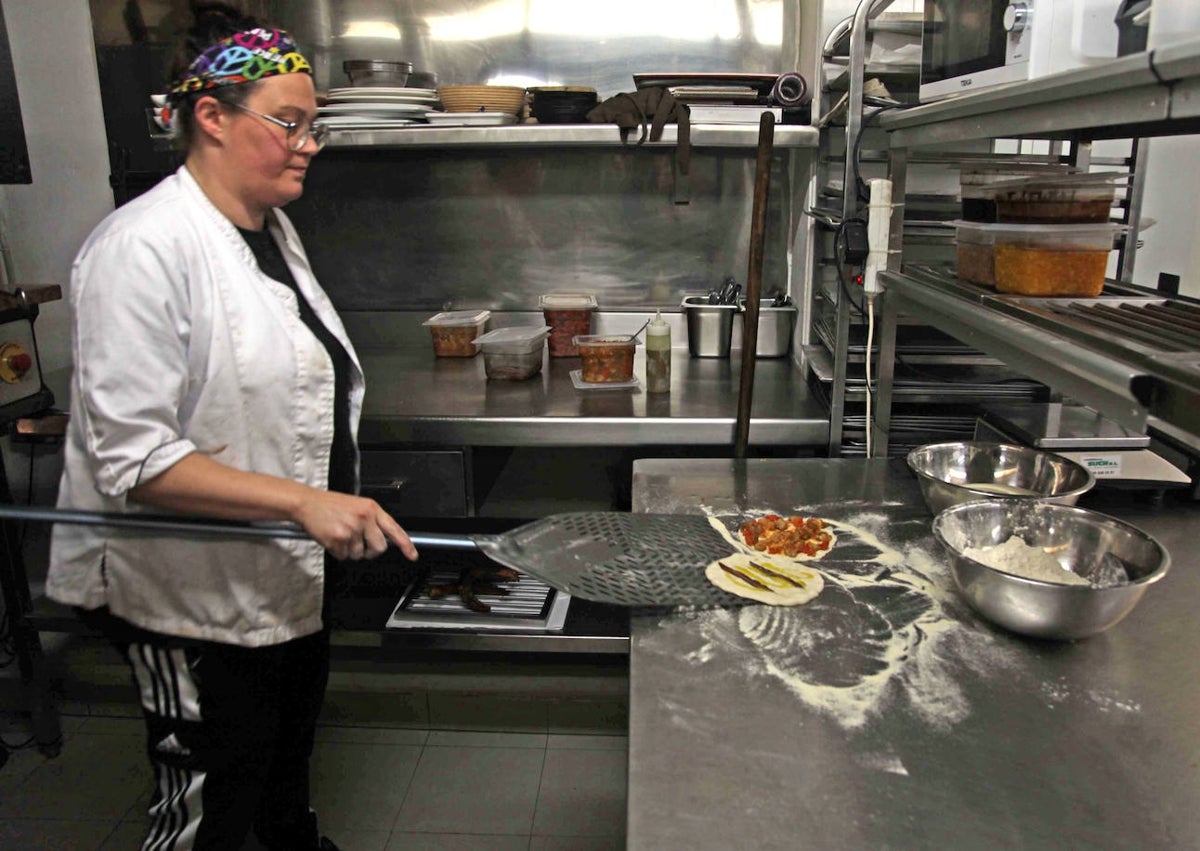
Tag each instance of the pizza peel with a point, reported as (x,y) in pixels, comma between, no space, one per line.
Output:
(613,557)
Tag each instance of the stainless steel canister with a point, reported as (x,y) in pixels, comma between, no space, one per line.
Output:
(709,327)
(775,326)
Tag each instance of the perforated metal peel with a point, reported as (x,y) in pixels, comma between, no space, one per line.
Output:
(611,557)
(608,557)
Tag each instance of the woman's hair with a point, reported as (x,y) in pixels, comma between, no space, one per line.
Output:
(212,22)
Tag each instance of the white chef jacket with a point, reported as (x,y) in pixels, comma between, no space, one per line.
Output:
(181,344)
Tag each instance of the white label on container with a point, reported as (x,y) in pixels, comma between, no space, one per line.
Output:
(1102,466)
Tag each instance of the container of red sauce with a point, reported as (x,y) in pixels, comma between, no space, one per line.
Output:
(454,332)
(568,315)
(606,358)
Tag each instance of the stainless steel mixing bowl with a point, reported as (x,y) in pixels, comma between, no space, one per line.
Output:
(1091,544)
(967,470)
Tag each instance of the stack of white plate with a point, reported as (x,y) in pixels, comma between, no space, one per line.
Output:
(376,107)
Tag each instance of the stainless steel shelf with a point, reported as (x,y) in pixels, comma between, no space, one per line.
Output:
(567,135)
(1123,379)
(1145,94)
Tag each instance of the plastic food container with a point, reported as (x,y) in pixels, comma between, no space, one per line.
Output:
(709,326)
(1071,199)
(568,315)
(513,354)
(1039,260)
(454,332)
(606,357)
(976,252)
(978,186)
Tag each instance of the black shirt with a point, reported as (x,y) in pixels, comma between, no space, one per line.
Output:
(342,453)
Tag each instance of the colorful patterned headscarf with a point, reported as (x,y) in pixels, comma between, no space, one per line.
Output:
(242,58)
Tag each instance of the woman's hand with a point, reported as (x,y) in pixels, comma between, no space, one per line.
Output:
(351,527)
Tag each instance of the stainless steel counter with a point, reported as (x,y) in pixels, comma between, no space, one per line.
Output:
(414,397)
(884,714)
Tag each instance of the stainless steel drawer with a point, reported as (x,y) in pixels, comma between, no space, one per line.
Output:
(417,483)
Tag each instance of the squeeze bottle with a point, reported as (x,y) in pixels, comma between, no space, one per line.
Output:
(658,355)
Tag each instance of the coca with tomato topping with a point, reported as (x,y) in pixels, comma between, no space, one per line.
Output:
(788,536)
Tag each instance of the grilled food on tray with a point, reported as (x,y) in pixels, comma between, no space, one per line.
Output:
(473,581)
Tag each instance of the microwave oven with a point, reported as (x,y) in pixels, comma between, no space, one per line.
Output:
(974,44)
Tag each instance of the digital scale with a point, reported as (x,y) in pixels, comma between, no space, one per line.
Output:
(1116,456)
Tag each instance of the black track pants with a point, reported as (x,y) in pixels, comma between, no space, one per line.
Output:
(230,733)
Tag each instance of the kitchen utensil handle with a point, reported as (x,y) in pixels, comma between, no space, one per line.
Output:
(155,522)
(758,238)
(444,541)
(202,525)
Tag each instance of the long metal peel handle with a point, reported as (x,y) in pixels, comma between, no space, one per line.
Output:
(445,541)
(204,525)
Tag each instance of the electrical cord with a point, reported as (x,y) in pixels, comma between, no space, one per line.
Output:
(844,287)
(838,251)
(870,341)
(862,193)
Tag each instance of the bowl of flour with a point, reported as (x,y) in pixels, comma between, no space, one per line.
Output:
(1047,570)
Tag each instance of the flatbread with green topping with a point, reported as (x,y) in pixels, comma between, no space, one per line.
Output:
(776,582)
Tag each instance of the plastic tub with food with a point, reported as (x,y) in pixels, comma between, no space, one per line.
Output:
(515,353)
(1038,260)
(976,252)
(606,357)
(1070,199)
(454,332)
(569,315)
(977,186)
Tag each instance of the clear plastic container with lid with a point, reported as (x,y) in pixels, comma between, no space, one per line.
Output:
(606,357)
(978,185)
(514,353)
(1065,199)
(1036,260)
(568,315)
(658,355)
(454,332)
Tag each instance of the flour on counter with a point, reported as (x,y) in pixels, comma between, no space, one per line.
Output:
(1018,558)
(1059,692)
(882,632)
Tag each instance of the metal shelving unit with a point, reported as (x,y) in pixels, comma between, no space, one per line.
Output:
(838,326)
(1128,378)
(567,135)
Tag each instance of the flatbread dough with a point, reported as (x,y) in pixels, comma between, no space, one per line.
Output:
(735,540)
(770,571)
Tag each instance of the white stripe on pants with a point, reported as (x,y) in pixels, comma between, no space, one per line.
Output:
(168,690)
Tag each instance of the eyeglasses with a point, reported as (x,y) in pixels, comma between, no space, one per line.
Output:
(297,134)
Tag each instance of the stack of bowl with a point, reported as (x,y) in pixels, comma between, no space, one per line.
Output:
(562,104)
(377,72)
(986,493)
(504,99)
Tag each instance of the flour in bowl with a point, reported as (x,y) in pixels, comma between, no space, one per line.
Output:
(1017,557)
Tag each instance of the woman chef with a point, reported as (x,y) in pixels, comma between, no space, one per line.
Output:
(212,376)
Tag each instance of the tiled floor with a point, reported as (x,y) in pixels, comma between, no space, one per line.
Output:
(376,789)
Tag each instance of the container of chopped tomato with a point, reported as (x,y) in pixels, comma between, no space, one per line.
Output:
(454,332)
(606,358)
(568,315)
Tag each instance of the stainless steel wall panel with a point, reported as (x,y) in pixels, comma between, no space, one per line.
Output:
(424,229)
(544,42)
